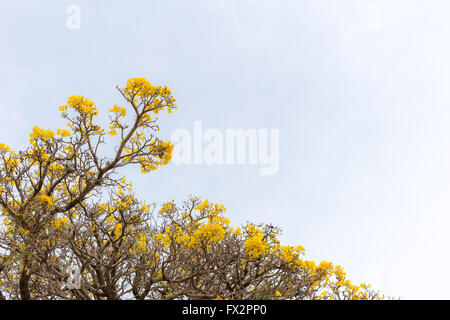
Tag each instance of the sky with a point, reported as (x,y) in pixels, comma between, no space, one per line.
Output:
(357,89)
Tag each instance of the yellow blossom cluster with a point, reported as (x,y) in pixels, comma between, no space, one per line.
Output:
(80,104)
(167,207)
(63,132)
(40,133)
(154,98)
(209,232)
(163,151)
(4,148)
(119,110)
(48,201)
(141,245)
(118,230)
(60,222)
(255,246)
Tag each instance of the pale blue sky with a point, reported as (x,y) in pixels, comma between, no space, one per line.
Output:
(363,114)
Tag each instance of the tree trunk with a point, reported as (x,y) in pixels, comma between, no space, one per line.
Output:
(25,279)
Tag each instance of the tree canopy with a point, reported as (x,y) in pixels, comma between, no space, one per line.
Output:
(72,227)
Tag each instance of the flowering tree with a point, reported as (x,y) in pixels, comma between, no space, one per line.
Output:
(73,229)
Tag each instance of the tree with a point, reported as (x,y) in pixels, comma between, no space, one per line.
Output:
(65,207)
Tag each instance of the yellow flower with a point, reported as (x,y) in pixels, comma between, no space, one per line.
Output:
(41,133)
(45,199)
(255,246)
(4,147)
(141,87)
(82,105)
(220,298)
(142,242)
(118,230)
(63,133)
(62,221)
(119,110)
(209,232)
(167,208)
(112,132)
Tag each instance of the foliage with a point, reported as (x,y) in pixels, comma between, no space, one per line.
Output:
(63,203)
